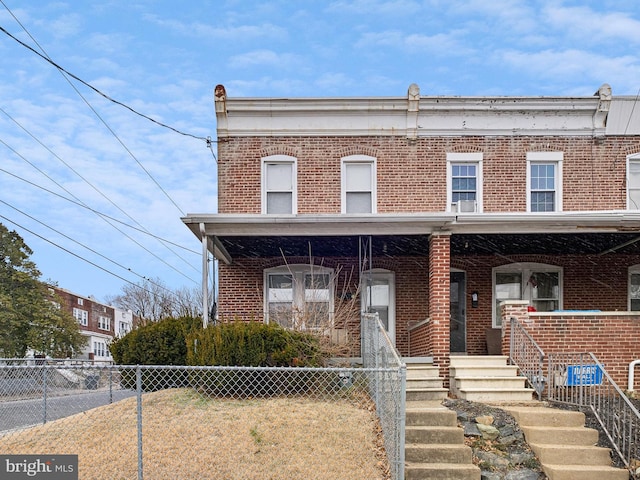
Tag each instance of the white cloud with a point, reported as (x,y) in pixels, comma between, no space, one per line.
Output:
(254,58)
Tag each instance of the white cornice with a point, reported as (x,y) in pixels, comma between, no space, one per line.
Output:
(410,116)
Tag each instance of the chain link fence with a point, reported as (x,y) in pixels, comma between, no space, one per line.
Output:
(177,422)
(388,387)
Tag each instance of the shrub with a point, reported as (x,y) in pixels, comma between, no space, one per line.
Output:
(160,343)
(252,344)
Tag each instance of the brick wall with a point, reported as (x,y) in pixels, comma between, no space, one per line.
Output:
(411,175)
(612,338)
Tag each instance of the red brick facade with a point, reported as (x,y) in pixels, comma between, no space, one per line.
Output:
(412,175)
(411,181)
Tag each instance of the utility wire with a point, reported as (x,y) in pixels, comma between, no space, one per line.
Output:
(113,219)
(86,181)
(92,263)
(65,74)
(119,230)
(48,59)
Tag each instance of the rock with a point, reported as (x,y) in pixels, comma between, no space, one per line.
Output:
(497,461)
(471,430)
(506,430)
(520,458)
(524,474)
(488,432)
(484,419)
(487,475)
(508,440)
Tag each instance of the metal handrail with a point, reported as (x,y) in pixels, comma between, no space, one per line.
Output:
(527,355)
(580,379)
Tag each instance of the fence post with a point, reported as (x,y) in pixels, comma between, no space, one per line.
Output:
(44,394)
(402,420)
(139,402)
(111,384)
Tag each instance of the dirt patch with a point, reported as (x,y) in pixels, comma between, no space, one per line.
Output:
(186,435)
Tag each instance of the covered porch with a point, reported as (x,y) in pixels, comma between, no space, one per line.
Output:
(437,280)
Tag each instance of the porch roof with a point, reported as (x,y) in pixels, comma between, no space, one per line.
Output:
(230,235)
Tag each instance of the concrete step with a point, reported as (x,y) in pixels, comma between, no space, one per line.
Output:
(496,395)
(441,471)
(426,394)
(562,435)
(550,417)
(483,370)
(443,453)
(565,447)
(477,360)
(584,472)
(432,417)
(422,371)
(512,382)
(418,383)
(434,435)
(561,454)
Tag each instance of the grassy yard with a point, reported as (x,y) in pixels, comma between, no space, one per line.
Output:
(186,436)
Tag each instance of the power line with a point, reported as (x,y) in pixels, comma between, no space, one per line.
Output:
(119,230)
(84,179)
(46,57)
(93,263)
(113,219)
(65,74)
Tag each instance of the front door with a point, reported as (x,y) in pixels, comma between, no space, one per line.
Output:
(379,297)
(457,311)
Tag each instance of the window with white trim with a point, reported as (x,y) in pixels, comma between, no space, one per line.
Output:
(80,301)
(464,182)
(634,288)
(104,323)
(299,297)
(539,283)
(633,182)
(544,181)
(279,184)
(359,184)
(100,349)
(82,316)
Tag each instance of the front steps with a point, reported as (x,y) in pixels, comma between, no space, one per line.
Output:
(435,448)
(424,382)
(487,378)
(565,447)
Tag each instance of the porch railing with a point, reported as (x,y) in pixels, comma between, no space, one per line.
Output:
(527,355)
(388,388)
(580,379)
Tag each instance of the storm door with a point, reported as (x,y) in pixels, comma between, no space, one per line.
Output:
(379,297)
(457,311)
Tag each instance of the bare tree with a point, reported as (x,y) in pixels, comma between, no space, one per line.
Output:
(152,300)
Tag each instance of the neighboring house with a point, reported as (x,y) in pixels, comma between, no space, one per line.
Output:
(433,211)
(98,322)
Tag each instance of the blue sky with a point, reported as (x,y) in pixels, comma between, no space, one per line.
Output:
(164,58)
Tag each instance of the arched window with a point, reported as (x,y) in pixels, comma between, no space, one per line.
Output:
(539,283)
(299,297)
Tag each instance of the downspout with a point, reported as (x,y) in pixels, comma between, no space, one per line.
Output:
(631,367)
(205,277)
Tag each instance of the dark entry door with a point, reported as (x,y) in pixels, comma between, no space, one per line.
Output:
(457,310)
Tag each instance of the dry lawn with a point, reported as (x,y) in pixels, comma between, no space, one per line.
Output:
(187,437)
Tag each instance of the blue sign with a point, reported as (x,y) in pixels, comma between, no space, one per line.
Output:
(584,375)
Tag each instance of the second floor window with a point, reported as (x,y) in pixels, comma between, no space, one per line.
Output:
(82,316)
(359,184)
(464,182)
(279,185)
(633,183)
(104,323)
(544,181)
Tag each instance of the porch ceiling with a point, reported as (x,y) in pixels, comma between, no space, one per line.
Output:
(418,245)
